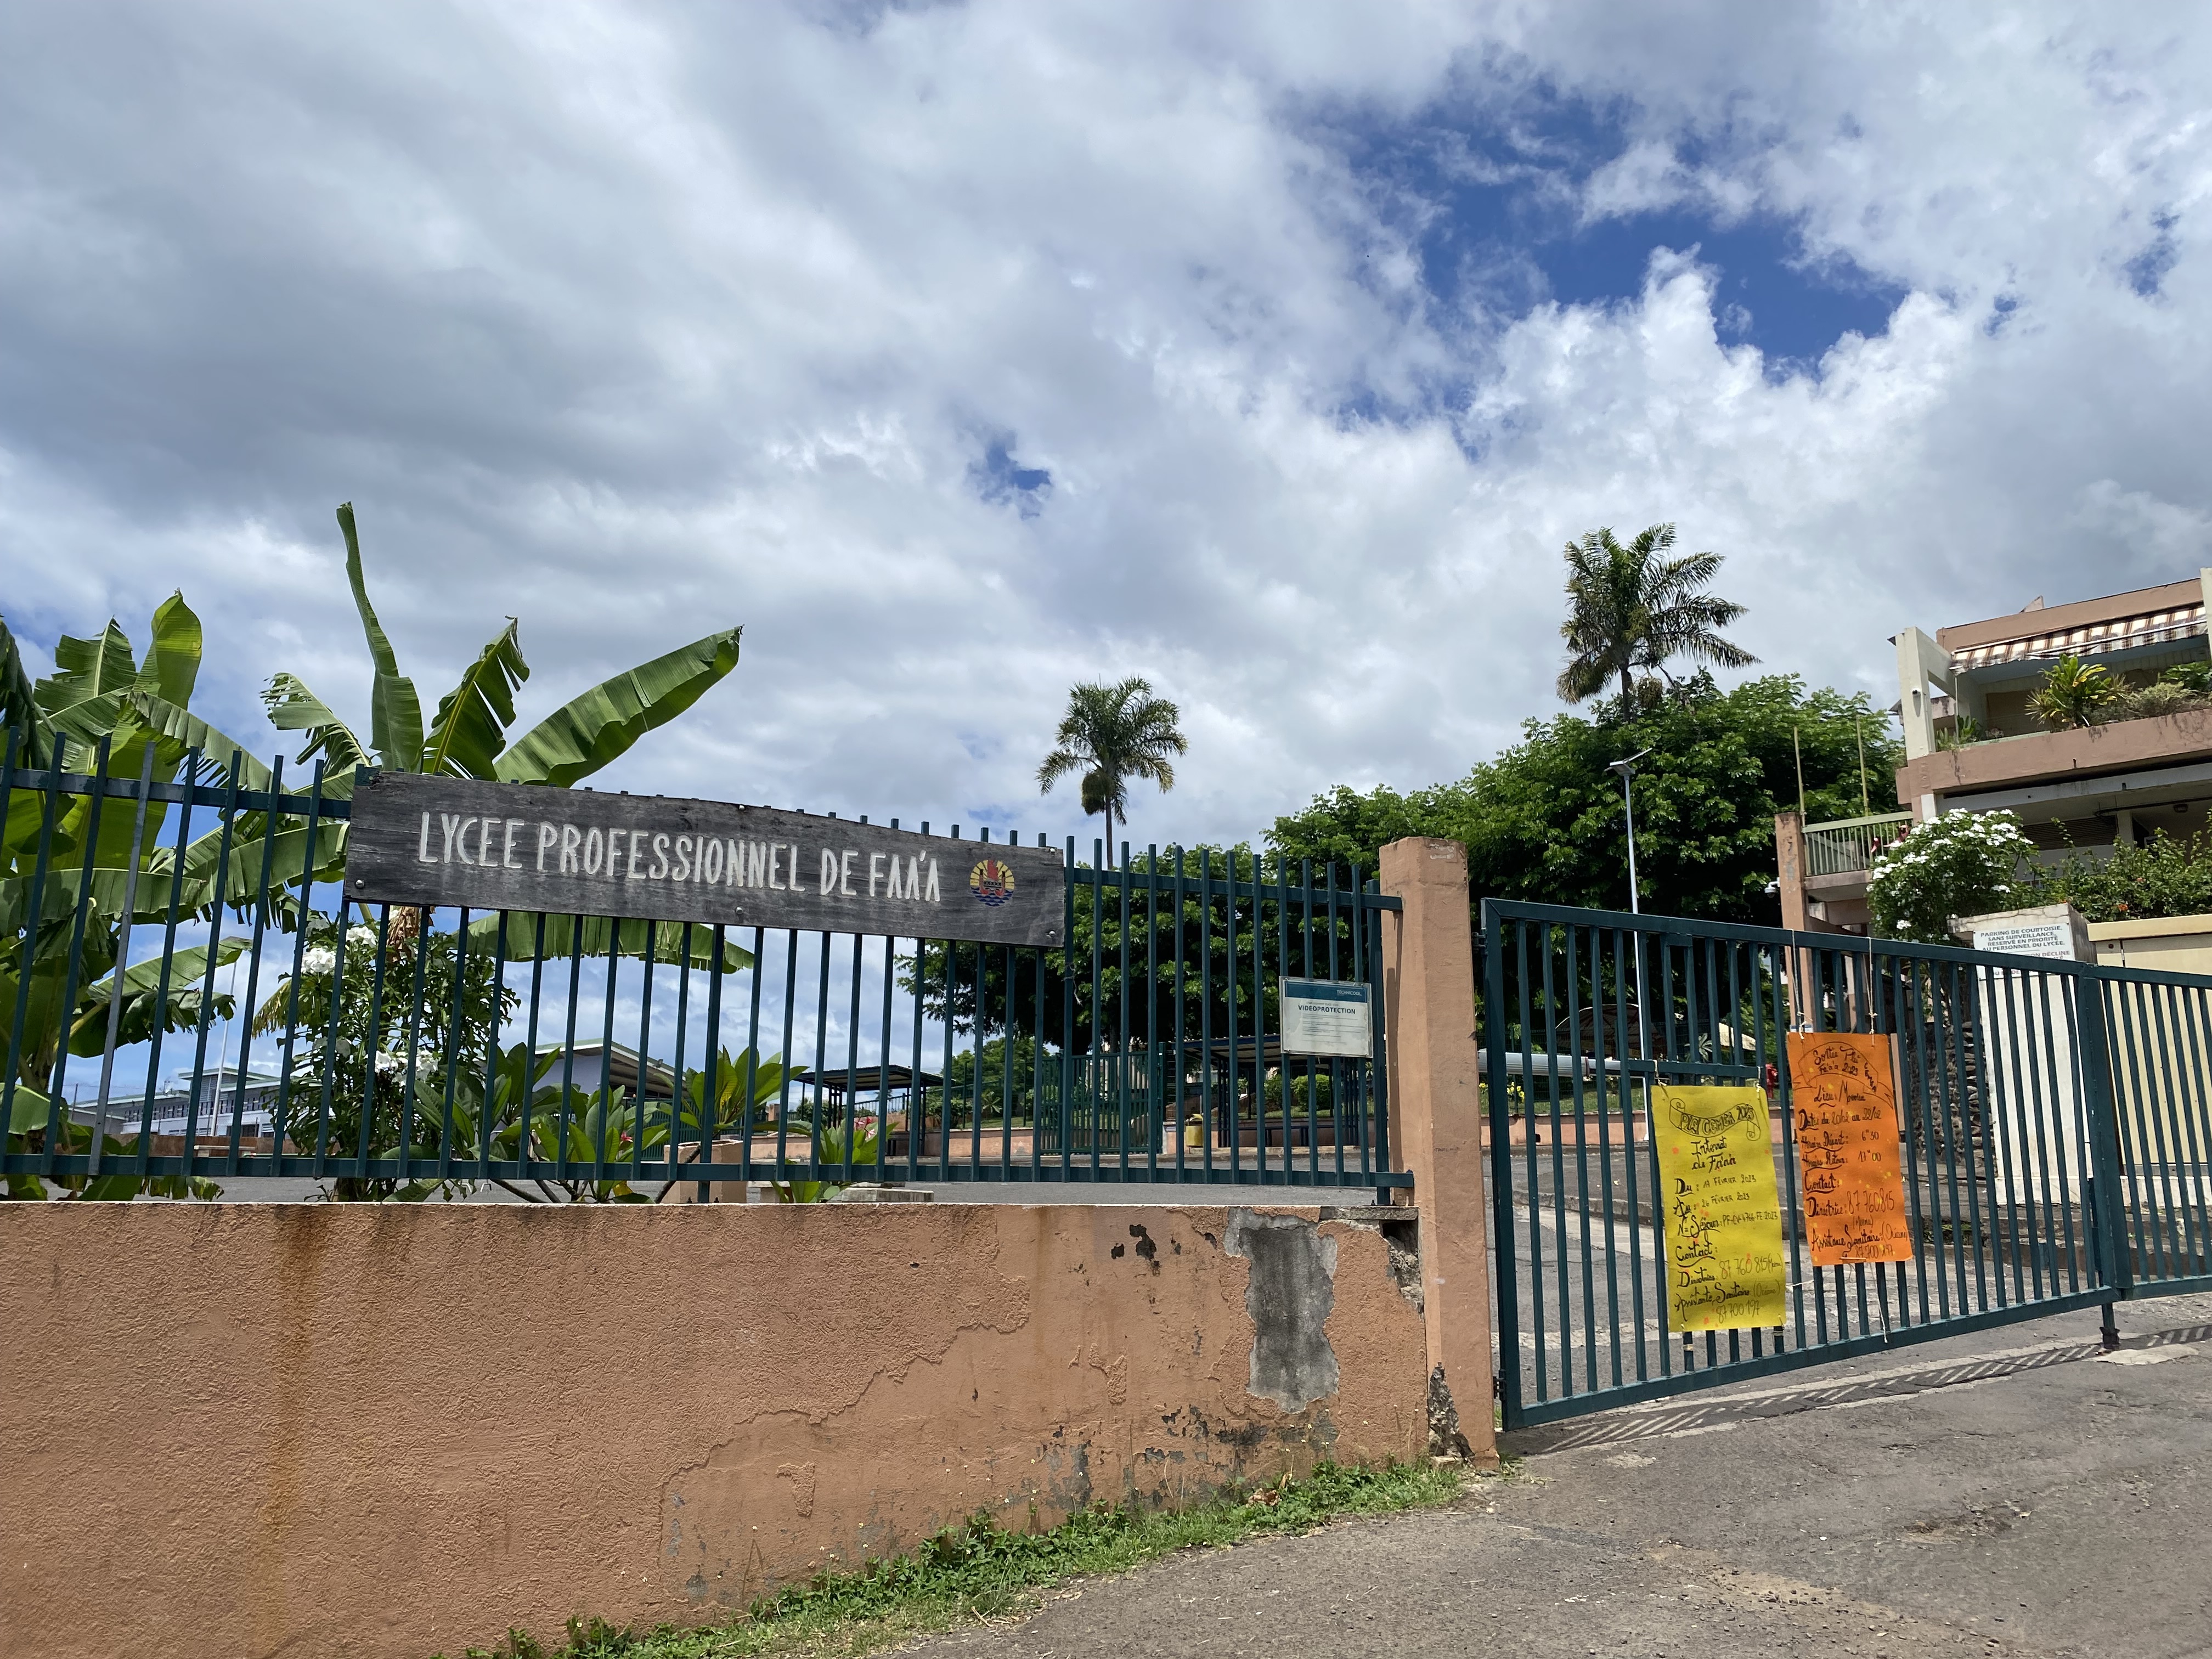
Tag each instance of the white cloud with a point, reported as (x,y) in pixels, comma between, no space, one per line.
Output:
(640,323)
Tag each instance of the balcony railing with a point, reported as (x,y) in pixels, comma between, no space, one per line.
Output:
(1844,846)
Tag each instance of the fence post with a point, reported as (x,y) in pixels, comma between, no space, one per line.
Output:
(1435,1122)
(2107,1164)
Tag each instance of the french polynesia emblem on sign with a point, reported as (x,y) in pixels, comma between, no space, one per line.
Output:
(992,883)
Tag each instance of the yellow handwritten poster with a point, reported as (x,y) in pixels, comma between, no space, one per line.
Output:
(1842,1093)
(1726,1266)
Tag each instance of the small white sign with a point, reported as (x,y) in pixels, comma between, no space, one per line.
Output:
(1326,1017)
(2033,939)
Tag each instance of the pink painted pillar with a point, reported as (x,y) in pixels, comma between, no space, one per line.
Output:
(1435,1118)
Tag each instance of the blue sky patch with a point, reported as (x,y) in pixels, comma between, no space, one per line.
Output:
(2147,271)
(1489,193)
(1002,481)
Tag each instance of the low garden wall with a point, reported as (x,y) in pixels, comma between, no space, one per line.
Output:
(391,1430)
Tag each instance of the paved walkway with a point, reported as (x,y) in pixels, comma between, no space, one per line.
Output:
(2003,1494)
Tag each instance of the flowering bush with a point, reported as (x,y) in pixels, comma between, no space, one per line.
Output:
(1964,863)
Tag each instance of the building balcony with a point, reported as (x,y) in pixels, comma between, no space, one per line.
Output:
(1847,847)
(2160,764)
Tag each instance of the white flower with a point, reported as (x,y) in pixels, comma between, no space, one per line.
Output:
(318,960)
(361,937)
(388,1063)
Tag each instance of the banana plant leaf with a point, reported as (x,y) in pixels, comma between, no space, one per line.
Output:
(241,874)
(19,704)
(470,725)
(143,1009)
(395,711)
(575,741)
(87,669)
(187,731)
(173,658)
(602,936)
(27,809)
(293,708)
(28,1112)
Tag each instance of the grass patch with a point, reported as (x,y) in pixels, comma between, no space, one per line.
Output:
(980,1570)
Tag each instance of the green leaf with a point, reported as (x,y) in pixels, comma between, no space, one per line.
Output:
(395,711)
(470,727)
(19,703)
(189,730)
(85,669)
(293,708)
(241,876)
(600,935)
(172,660)
(30,1112)
(186,966)
(144,1010)
(577,740)
(90,718)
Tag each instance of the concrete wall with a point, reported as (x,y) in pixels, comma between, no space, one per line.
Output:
(2176,944)
(251,1429)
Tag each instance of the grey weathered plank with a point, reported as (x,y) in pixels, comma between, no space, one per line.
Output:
(450,842)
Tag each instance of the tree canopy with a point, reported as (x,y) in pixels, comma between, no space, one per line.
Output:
(1543,821)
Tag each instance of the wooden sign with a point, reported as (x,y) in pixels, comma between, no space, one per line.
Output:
(1842,1093)
(451,842)
(1726,1266)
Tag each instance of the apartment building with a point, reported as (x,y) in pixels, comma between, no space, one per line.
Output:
(1972,744)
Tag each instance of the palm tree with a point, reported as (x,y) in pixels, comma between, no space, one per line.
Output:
(1112,734)
(1629,608)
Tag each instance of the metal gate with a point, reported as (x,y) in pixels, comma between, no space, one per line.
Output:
(2055,1121)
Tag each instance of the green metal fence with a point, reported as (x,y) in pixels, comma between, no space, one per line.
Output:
(190,1000)
(2055,1121)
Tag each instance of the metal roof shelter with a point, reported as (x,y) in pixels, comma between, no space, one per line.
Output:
(835,1080)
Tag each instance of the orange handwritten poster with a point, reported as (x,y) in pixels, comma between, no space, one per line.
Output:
(1725,1266)
(1843,1091)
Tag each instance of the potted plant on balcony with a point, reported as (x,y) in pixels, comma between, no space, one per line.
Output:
(2075,693)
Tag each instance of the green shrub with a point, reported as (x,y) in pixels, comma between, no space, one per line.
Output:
(2164,876)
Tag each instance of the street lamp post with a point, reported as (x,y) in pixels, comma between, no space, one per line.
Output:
(1627,770)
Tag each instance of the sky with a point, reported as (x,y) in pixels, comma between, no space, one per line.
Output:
(1270,351)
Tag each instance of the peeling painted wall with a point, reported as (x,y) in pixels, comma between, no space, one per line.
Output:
(248,1428)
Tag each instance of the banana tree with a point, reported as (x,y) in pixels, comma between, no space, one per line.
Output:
(466,737)
(76,870)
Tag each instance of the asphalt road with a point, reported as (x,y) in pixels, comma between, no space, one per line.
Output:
(2003,1494)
